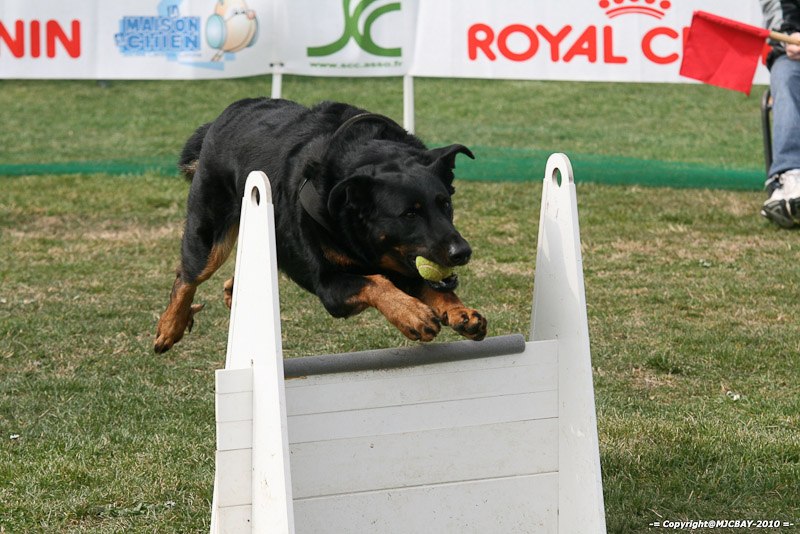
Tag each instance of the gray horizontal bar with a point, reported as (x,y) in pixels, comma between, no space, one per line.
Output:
(421,354)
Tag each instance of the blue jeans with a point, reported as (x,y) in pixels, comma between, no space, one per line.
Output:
(785,89)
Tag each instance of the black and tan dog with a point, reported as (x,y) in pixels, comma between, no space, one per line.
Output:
(357,199)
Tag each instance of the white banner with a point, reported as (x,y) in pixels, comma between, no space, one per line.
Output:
(585,40)
(185,39)
(155,39)
(589,40)
(347,38)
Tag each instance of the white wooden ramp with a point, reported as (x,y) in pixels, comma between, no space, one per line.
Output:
(497,436)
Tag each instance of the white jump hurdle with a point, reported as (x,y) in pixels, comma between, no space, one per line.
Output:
(498,436)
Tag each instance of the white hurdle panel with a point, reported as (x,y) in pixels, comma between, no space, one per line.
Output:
(463,437)
(460,446)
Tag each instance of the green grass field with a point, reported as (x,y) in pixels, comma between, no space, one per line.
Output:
(692,297)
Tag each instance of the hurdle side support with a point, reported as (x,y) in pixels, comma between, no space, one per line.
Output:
(559,312)
(252,486)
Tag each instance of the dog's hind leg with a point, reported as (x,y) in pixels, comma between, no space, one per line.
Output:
(179,315)
(227,292)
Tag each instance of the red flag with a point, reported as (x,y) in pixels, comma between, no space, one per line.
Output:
(722,52)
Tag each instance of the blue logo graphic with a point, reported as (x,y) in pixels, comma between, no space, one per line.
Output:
(165,34)
(231,28)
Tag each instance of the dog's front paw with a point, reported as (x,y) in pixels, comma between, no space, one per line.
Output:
(467,322)
(418,322)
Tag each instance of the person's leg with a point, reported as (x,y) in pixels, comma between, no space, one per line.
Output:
(783,185)
(785,89)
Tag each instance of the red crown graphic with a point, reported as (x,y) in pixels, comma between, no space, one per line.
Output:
(653,8)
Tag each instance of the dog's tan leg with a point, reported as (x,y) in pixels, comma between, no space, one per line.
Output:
(466,321)
(227,292)
(179,315)
(413,318)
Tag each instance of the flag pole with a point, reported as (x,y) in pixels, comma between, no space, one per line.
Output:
(777,36)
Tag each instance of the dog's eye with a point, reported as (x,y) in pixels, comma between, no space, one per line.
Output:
(414,211)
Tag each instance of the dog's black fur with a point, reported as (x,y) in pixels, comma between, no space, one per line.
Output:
(384,197)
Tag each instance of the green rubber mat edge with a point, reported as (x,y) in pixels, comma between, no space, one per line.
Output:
(492,164)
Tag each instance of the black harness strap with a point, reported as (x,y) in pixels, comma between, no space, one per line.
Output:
(312,203)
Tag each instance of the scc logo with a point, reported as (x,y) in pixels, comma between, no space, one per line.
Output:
(352,30)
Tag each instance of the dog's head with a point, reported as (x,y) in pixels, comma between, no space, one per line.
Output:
(392,203)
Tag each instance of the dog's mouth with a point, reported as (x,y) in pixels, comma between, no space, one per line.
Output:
(445,284)
(449,283)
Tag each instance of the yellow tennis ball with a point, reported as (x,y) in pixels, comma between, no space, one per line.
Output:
(432,271)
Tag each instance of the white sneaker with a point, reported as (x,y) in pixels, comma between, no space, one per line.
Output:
(783,206)
(790,182)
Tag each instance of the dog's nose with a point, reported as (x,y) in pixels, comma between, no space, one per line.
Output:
(459,252)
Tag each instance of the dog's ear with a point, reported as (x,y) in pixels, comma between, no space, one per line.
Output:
(353,193)
(443,161)
(446,155)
